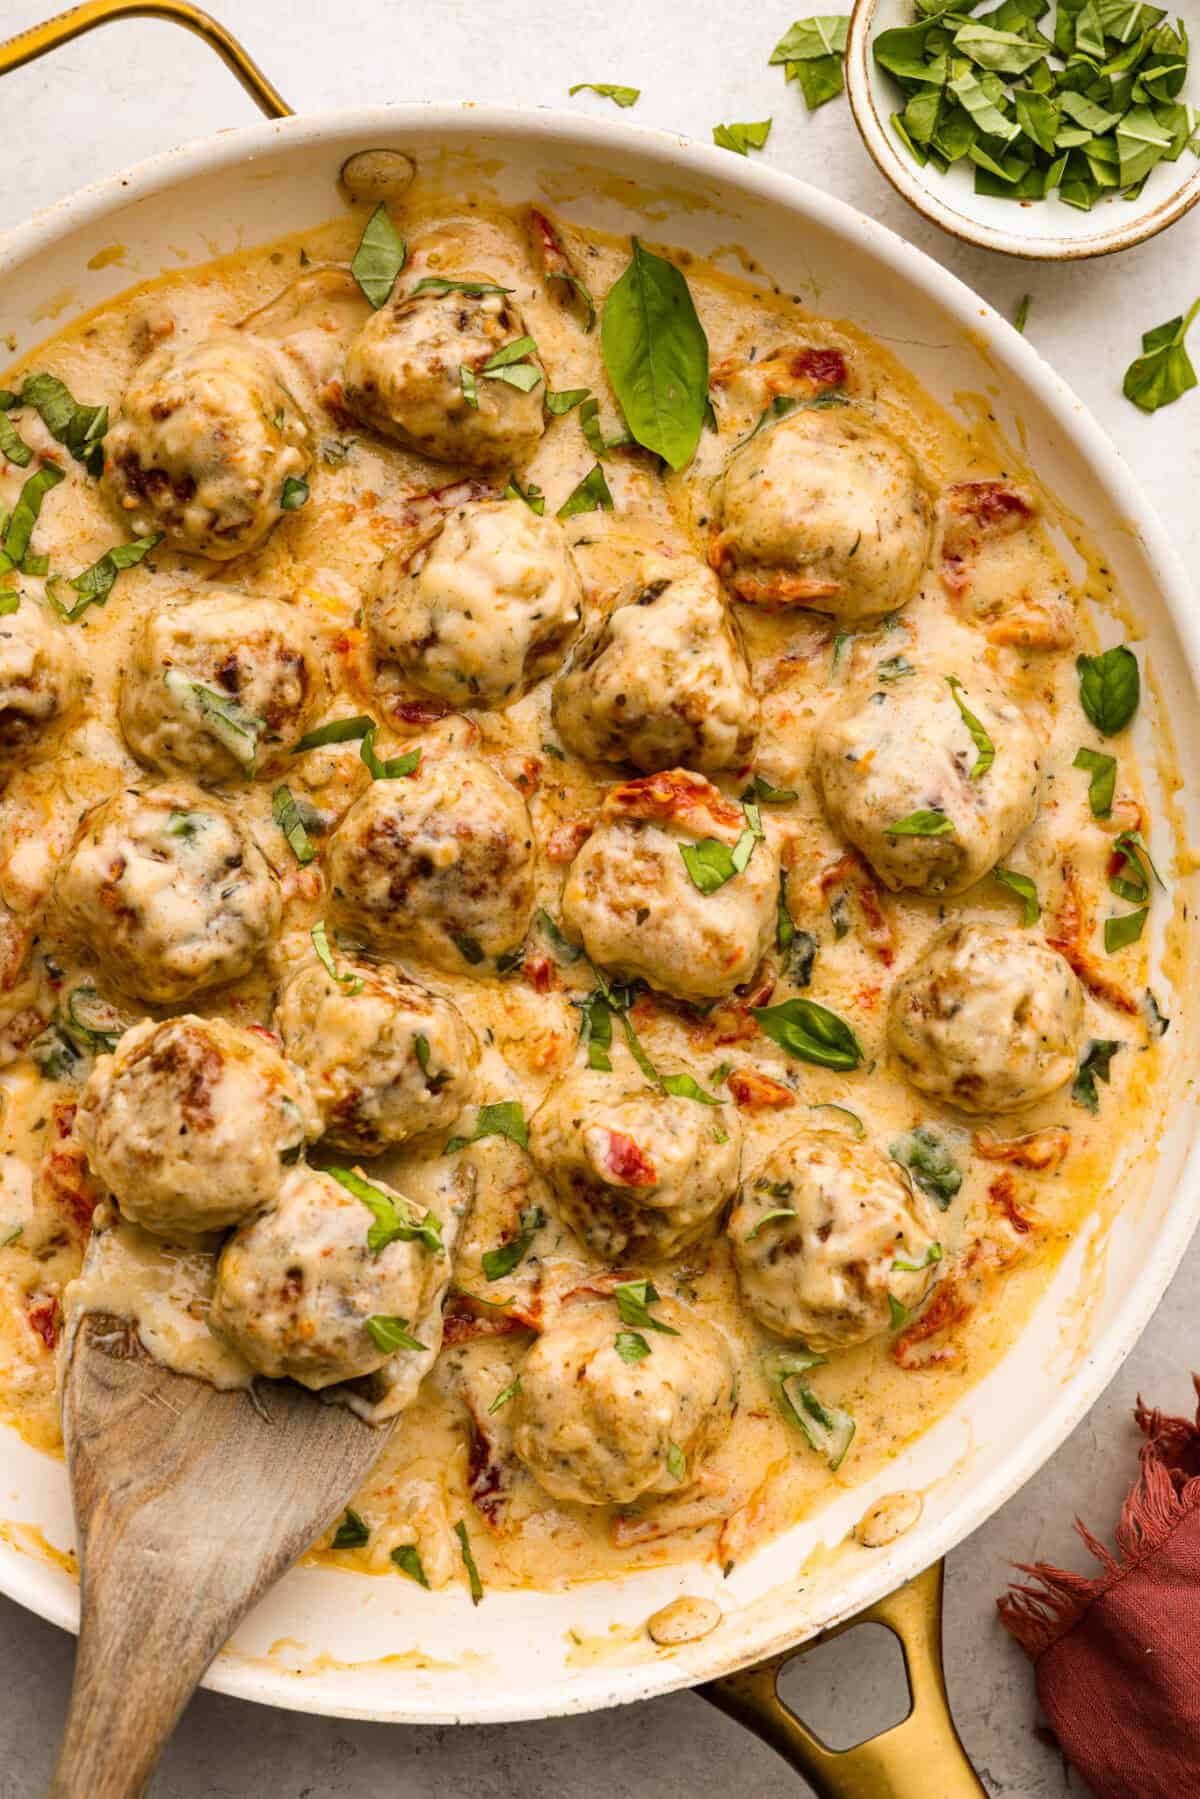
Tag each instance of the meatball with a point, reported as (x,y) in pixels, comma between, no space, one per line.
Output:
(39,675)
(632,900)
(594,1428)
(823,510)
(192,1123)
(484,609)
(416,373)
(987,1019)
(439,865)
(386,1062)
(663,683)
(905,756)
(206,438)
(817,1234)
(259,677)
(297,1286)
(168,891)
(636,1171)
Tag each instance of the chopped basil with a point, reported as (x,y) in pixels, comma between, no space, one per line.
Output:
(761,789)
(597,443)
(785,929)
(711,863)
(79,428)
(12,444)
(521,375)
(827,1430)
(235,729)
(394,768)
(595,1030)
(395,1220)
(932,1256)
(685,1086)
(339,730)
(294,495)
(812,53)
(351,1533)
(742,138)
(1129,879)
(634,1299)
(1021,318)
(985,748)
(434,1082)
(780,407)
(769,1218)
(1109,688)
(187,825)
(438,284)
(559,403)
(676,1462)
(93,1019)
(286,814)
(407,1559)
(552,749)
(1096,1065)
(1126,929)
(857,1126)
(900,1314)
(804,955)
(1102,786)
(564,949)
(631,1346)
(25,513)
(929,822)
(497,1263)
(504,1118)
(320,941)
(57,1055)
(1164,369)
(896,668)
(9,603)
(591,495)
(811,1033)
(96,583)
(469,950)
(505,1394)
(470,387)
(1157,1022)
(927,1156)
(532,494)
(390,1334)
(1025,890)
(476,1585)
(656,356)
(607,90)
(380,256)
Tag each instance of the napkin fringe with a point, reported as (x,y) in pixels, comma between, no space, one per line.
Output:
(1166,1491)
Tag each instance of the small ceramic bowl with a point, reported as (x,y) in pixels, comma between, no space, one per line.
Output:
(1044,230)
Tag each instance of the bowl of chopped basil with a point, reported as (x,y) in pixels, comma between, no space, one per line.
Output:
(1052,129)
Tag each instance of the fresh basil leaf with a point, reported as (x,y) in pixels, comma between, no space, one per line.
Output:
(339,730)
(820,79)
(975,96)
(1121,931)
(390,1334)
(320,942)
(929,1160)
(631,1346)
(381,255)
(294,494)
(395,1220)
(1007,52)
(464,1542)
(811,1033)
(26,511)
(929,822)
(1103,782)
(656,355)
(497,1263)
(858,1128)
(899,1314)
(634,1299)
(710,862)
(985,748)
(589,424)
(1022,314)
(685,1086)
(565,401)
(607,90)
(742,138)
(351,1533)
(1109,688)
(394,768)
(808,40)
(782,405)
(235,729)
(532,495)
(504,1118)
(1025,890)
(408,1560)
(1096,1065)
(592,495)
(286,814)
(79,428)
(96,583)
(1141,143)
(1164,369)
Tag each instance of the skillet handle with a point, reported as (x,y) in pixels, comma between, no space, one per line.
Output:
(27,45)
(922,1757)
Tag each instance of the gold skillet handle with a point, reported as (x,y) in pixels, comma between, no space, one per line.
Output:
(16,51)
(922,1757)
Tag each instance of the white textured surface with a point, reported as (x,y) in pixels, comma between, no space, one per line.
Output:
(117,96)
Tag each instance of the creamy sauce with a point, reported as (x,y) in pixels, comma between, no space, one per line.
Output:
(451,1459)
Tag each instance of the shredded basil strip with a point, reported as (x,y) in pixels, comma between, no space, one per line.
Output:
(676,1462)
(351,1533)
(631,1346)
(12,444)
(407,1558)
(985,748)
(504,1118)
(25,513)
(320,941)
(470,387)
(341,730)
(497,1263)
(438,284)
(1102,785)
(1025,890)
(557,404)
(1095,1065)
(742,138)
(395,768)
(235,729)
(656,355)
(685,1086)
(927,1156)
(476,1585)
(1121,931)
(608,90)
(395,1220)
(564,949)
(532,495)
(591,495)
(505,1394)
(634,1299)
(96,583)
(811,1033)
(286,814)
(932,1256)
(390,1334)
(769,1218)
(381,255)
(857,1126)
(930,822)
(80,429)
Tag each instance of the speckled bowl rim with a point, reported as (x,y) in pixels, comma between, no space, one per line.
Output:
(889,157)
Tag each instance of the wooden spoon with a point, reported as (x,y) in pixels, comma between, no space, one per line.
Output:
(189,1503)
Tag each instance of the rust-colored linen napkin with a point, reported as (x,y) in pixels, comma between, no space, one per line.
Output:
(1117,1654)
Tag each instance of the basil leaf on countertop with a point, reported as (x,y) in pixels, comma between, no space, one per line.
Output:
(1110,687)
(742,138)
(985,748)
(811,1033)
(381,255)
(608,90)
(1164,369)
(656,355)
